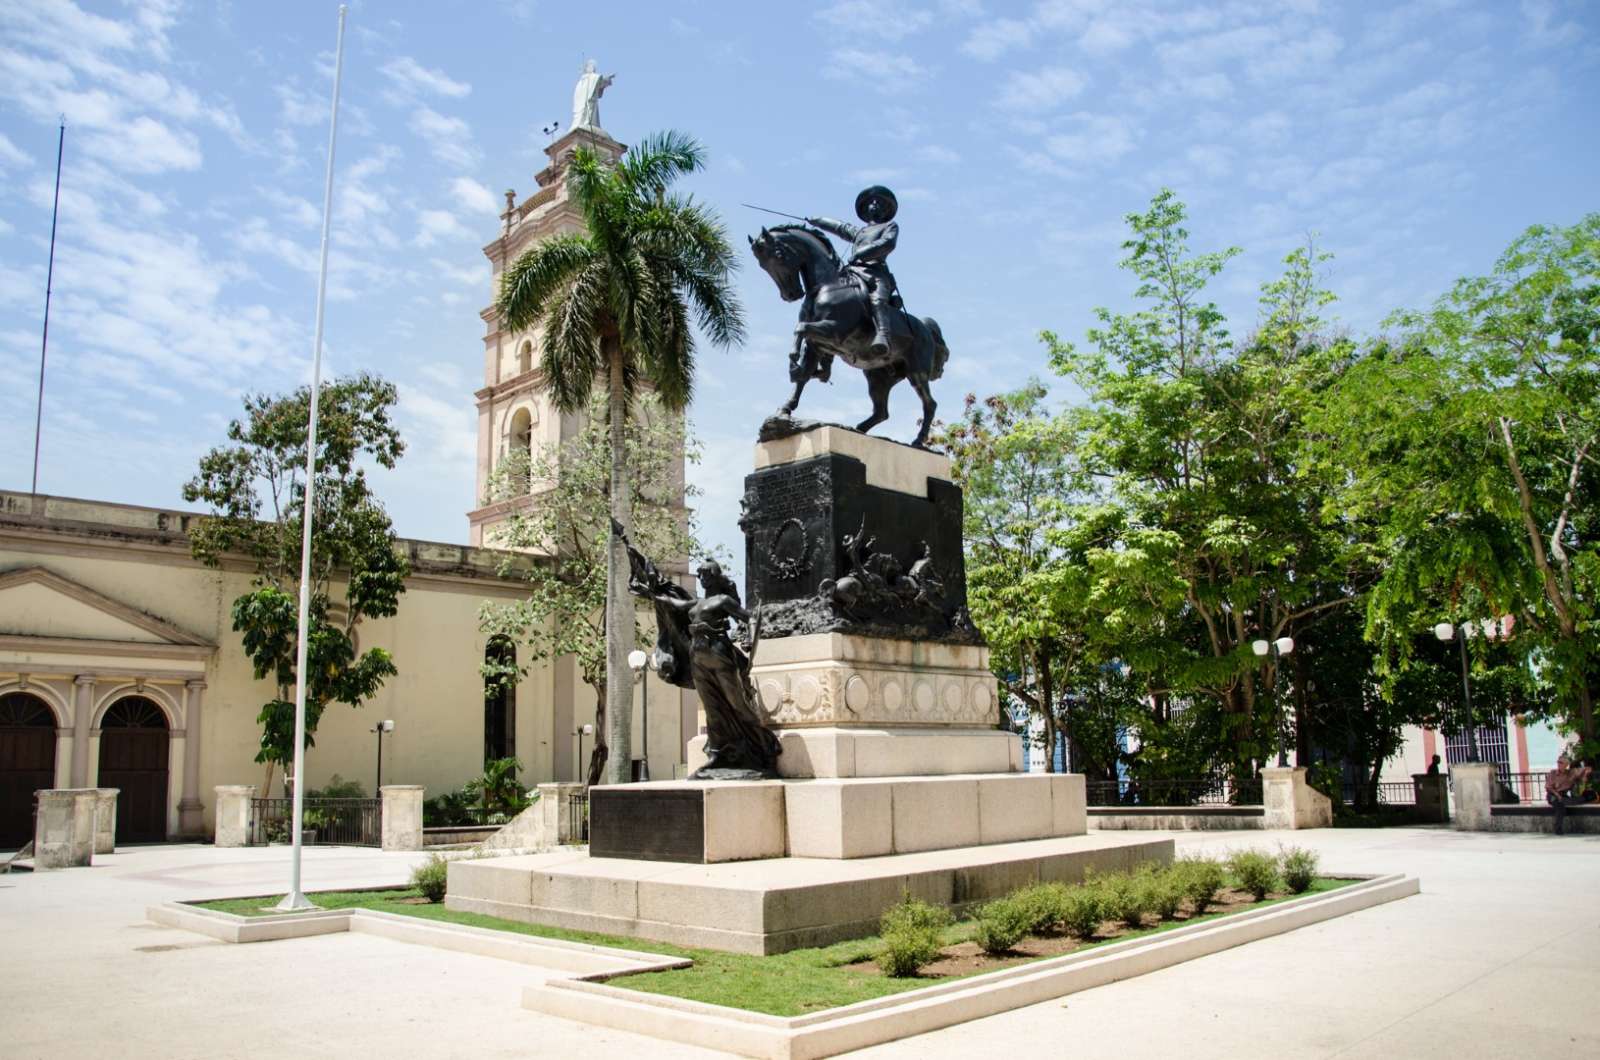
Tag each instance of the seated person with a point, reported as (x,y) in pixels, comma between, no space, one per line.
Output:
(1565,786)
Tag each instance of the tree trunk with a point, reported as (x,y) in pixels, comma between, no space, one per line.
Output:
(1047,699)
(619,605)
(600,752)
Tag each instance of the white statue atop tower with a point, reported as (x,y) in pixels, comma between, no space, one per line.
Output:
(586,96)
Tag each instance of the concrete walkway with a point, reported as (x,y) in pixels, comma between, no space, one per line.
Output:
(1492,957)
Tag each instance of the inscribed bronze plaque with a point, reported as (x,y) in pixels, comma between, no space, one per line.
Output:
(648,824)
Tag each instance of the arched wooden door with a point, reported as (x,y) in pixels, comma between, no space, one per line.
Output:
(133,757)
(27,763)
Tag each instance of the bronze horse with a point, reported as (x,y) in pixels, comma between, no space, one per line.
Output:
(835,317)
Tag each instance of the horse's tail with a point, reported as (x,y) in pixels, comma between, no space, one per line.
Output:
(941,352)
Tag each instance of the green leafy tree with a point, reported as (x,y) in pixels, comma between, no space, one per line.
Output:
(1472,436)
(615,305)
(566,529)
(1196,443)
(255,487)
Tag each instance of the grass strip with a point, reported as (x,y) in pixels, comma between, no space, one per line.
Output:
(785,984)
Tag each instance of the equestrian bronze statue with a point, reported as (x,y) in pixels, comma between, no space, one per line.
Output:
(852,309)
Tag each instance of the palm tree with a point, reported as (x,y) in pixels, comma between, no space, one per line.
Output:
(615,305)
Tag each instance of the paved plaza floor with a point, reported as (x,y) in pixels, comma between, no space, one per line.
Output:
(1495,957)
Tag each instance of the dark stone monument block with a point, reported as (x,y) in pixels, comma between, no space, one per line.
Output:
(652,824)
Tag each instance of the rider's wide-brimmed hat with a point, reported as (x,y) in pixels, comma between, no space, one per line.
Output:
(883,195)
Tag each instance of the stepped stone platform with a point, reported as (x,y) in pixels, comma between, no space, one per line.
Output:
(775,904)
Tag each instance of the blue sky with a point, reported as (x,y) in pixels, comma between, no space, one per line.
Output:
(1414,139)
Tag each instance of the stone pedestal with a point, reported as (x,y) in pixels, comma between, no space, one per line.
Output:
(1432,796)
(673,820)
(105,820)
(1292,803)
(1474,791)
(63,834)
(402,816)
(233,814)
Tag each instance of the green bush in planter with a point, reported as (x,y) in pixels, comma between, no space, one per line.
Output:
(1043,903)
(1082,909)
(430,878)
(1299,868)
(1202,879)
(1167,893)
(910,931)
(1003,923)
(1126,897)
(1256,871)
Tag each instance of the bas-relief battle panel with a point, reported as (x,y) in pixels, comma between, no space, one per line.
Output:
(845,695)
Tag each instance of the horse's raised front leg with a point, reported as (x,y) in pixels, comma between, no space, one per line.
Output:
(879,381)
(799,372)
(919,383)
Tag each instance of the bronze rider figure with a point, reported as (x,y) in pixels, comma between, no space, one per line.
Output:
(871,243)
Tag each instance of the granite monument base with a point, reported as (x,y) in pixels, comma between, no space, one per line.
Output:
(774,904)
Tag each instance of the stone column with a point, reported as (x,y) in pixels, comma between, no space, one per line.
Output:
(105,820)
(553,810)
(233,814)
(1474,784)
(1432,798)
(63,834)
(191,819)
(1289,802)
(83,687)
(402,816)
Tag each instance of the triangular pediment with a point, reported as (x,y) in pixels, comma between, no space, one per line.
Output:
(35,602)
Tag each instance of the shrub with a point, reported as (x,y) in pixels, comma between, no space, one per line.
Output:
(1299,868)
(1126,898)
(1167,893)
(338,788)
(1202,879)
(1043,903)
(1002,924)
(1082,909)
(430,878)
(911,936)
(1256,871)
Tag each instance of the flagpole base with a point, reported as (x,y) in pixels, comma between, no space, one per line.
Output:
(294,902)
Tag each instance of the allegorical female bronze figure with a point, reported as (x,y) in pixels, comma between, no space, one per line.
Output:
(694,649)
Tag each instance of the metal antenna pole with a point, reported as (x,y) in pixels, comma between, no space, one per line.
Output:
(295,899)
(1466,692)
(49,281)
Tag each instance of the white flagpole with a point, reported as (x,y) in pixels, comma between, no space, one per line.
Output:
(295,899)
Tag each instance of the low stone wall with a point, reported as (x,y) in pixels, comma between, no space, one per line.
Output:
(1582,820)
(452,835)
(1176,818)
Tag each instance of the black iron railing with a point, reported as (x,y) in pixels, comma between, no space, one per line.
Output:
(323,822)
(1527,787)
(577,809)
(1130,792)
(1388,793)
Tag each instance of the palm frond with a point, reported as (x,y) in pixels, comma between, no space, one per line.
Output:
(658,160)
(571,357)
(527,287)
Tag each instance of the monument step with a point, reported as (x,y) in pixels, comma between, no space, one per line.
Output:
(775,905)
(836,818)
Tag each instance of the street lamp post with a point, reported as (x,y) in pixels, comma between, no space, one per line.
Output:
(382,727)
(1491,630)
(580,733)
(642,663)
(1278,649)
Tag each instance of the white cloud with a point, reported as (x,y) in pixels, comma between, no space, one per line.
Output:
(1095,138)
(145,145)
(1213,160)
(412,78)
(12,156)
(1543,30)
(434,225)
(865,18)
(1105,36)
(450,139)
(1040,89)
(990,40)
(889,71)
(937,155)
(471,195)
